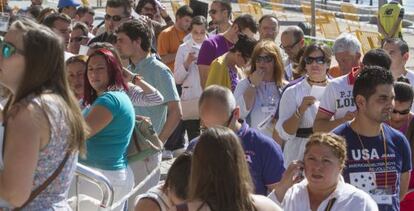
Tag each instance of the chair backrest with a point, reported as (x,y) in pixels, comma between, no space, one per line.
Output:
(368,39)
(307,12)
(242,1)
(350,8)
(329,26)
(277,8)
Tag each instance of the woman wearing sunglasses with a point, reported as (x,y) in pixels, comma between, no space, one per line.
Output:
(227,70)
(297,107)
(258,95)
(42,120)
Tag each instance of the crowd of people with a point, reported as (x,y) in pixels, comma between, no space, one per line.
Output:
(249,128)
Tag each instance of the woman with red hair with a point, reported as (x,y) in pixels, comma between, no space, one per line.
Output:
(111,117)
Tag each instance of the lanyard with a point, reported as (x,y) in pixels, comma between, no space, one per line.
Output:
(385,152)
(330,204)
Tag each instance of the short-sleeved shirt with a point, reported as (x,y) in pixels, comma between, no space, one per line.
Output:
(219,73)
(159,76)
(337,99)
(168,42)
(371,169)
(263,155)
(212,48)
(389,14)
(107,149)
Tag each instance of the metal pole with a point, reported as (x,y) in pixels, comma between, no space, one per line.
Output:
(313,10)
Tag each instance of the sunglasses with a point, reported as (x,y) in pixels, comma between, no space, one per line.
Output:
(8,49)
(266,59)
(289,46)
(318,60)
(405,112)
(77,39)
(115,18)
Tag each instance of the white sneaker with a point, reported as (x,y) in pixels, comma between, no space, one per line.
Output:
(167,155)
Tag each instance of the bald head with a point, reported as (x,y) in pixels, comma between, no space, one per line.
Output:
(292,41)
(294,31)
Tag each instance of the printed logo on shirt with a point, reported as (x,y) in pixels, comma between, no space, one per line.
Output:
(346,99)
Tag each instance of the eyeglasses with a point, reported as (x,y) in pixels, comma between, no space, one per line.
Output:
(77,39)
(289,46)
(266,59)
(8,49)
(405,112)
(318,60)
(212,12)
(115,18)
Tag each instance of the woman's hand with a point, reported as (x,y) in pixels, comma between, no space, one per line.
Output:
(190,58)
(256,77)
(306,102)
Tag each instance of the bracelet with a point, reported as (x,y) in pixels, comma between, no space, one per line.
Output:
(297,113)
(250,82)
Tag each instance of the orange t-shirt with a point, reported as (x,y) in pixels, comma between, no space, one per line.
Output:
(168,42)
(335,72)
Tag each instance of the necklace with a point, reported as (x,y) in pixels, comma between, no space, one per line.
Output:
(385,152)
(317,82)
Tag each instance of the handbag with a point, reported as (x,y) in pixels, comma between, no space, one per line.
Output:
(144,142)
(190,109)
(46,183)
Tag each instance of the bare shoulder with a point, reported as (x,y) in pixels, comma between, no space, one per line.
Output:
(263,203)
(146,204)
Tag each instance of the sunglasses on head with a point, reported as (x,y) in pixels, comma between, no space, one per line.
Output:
(8,49)
(266,59)
(405,112)
(115,18)
(318,60)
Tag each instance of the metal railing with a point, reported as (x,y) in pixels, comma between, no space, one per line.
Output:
(98,179)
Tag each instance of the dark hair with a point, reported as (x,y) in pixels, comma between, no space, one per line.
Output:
(268,16)
(403,79)
(120,3)
(115,70)
(377,57)
(184,11)
(41,17)
(402,45)
(82,26)
(199,20)
(225,5)
(403,92)
(136,29)
(142,3)
(369,78)
(326,51)
(34,10)
(81,11)
(244,45)
(50,20)
(246,21)
(178,176)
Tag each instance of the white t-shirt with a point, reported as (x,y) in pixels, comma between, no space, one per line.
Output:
(348,198)
(337,99)
(410,77)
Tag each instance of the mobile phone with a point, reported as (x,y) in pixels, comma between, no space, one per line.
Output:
(195,50)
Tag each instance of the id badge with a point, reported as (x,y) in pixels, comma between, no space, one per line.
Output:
(383,195)
(268,109)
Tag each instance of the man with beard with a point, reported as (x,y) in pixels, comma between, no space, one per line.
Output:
(379,157)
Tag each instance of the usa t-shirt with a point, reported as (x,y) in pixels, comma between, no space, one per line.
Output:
(264,156)
(370,169)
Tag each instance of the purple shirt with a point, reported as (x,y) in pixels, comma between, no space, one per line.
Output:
(264,156)
(212,48)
